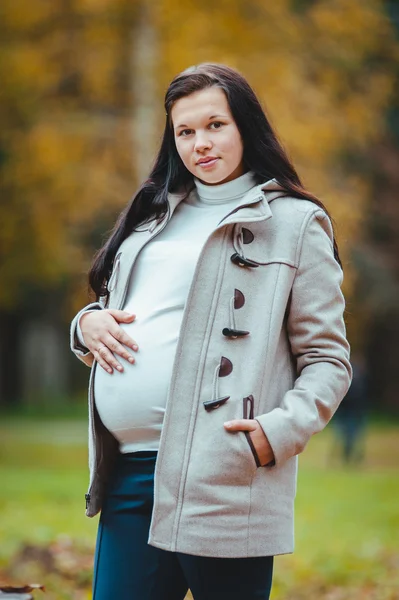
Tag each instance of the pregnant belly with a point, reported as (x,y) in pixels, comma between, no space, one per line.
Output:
(132,404)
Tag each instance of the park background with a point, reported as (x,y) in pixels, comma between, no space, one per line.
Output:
(81,115)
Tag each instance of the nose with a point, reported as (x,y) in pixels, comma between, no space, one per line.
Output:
(202,142)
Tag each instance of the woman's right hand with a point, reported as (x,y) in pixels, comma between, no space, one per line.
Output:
(104,337)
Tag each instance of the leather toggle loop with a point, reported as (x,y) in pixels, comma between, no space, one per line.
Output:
(243,262)
(226,367)
(239,299)
(247,235)
(248,407)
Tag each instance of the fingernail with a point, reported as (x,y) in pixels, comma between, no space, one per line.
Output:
(109,370)
(135,347)
(228,424)
(131,359)
(119,368)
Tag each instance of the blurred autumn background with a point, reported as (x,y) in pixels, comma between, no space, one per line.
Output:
(82,85)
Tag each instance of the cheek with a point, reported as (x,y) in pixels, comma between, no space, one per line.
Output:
(233,147)
(182,150)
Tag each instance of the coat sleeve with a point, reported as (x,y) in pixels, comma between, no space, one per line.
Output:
(316,332)
(77,347)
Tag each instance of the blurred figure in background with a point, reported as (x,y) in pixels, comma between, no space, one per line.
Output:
(350,419)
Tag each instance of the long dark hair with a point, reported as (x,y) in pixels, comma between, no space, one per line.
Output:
(263,155)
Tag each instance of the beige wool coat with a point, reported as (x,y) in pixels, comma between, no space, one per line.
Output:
(262,337)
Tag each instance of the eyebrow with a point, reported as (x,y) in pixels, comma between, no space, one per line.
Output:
(209,119)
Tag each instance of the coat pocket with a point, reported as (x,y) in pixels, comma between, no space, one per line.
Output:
(248,413)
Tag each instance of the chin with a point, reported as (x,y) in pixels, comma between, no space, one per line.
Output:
(212,178)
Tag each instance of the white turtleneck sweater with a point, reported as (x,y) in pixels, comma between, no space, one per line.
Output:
(132,404)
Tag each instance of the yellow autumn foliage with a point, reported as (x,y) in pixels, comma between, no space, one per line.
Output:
(70,81)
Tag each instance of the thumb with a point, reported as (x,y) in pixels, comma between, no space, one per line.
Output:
(122,316)
(241,425)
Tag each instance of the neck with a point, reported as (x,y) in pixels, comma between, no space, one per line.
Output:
(224,192)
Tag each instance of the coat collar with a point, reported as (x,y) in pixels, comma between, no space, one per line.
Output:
(254,205)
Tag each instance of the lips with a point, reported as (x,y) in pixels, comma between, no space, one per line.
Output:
(205,160)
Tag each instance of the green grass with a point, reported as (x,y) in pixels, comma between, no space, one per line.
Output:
(43,479)
(347,518)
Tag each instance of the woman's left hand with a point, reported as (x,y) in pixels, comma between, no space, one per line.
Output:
(258,437)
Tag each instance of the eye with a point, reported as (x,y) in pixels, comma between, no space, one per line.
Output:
(185,132)
(217,124)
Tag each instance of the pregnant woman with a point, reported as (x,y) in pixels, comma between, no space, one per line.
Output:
(217,349)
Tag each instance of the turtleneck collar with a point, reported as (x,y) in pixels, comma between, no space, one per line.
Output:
(224,192)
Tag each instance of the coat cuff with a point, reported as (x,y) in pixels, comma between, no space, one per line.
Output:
(276,430)
(79,333)
(76,343)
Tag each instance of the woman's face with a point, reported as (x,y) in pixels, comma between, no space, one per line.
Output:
(207,138)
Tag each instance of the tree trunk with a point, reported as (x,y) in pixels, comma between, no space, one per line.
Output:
(10,380)
(144,92)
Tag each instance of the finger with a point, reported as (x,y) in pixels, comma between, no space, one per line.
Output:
(117,348)
(102,362)
(122,316)
(241,425)
(123,338)
(108,357)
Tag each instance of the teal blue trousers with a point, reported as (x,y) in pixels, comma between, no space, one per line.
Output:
(126,567)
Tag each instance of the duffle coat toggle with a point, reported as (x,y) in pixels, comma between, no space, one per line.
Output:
(242,235)
(239,238)
(223,369)
(237,301)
